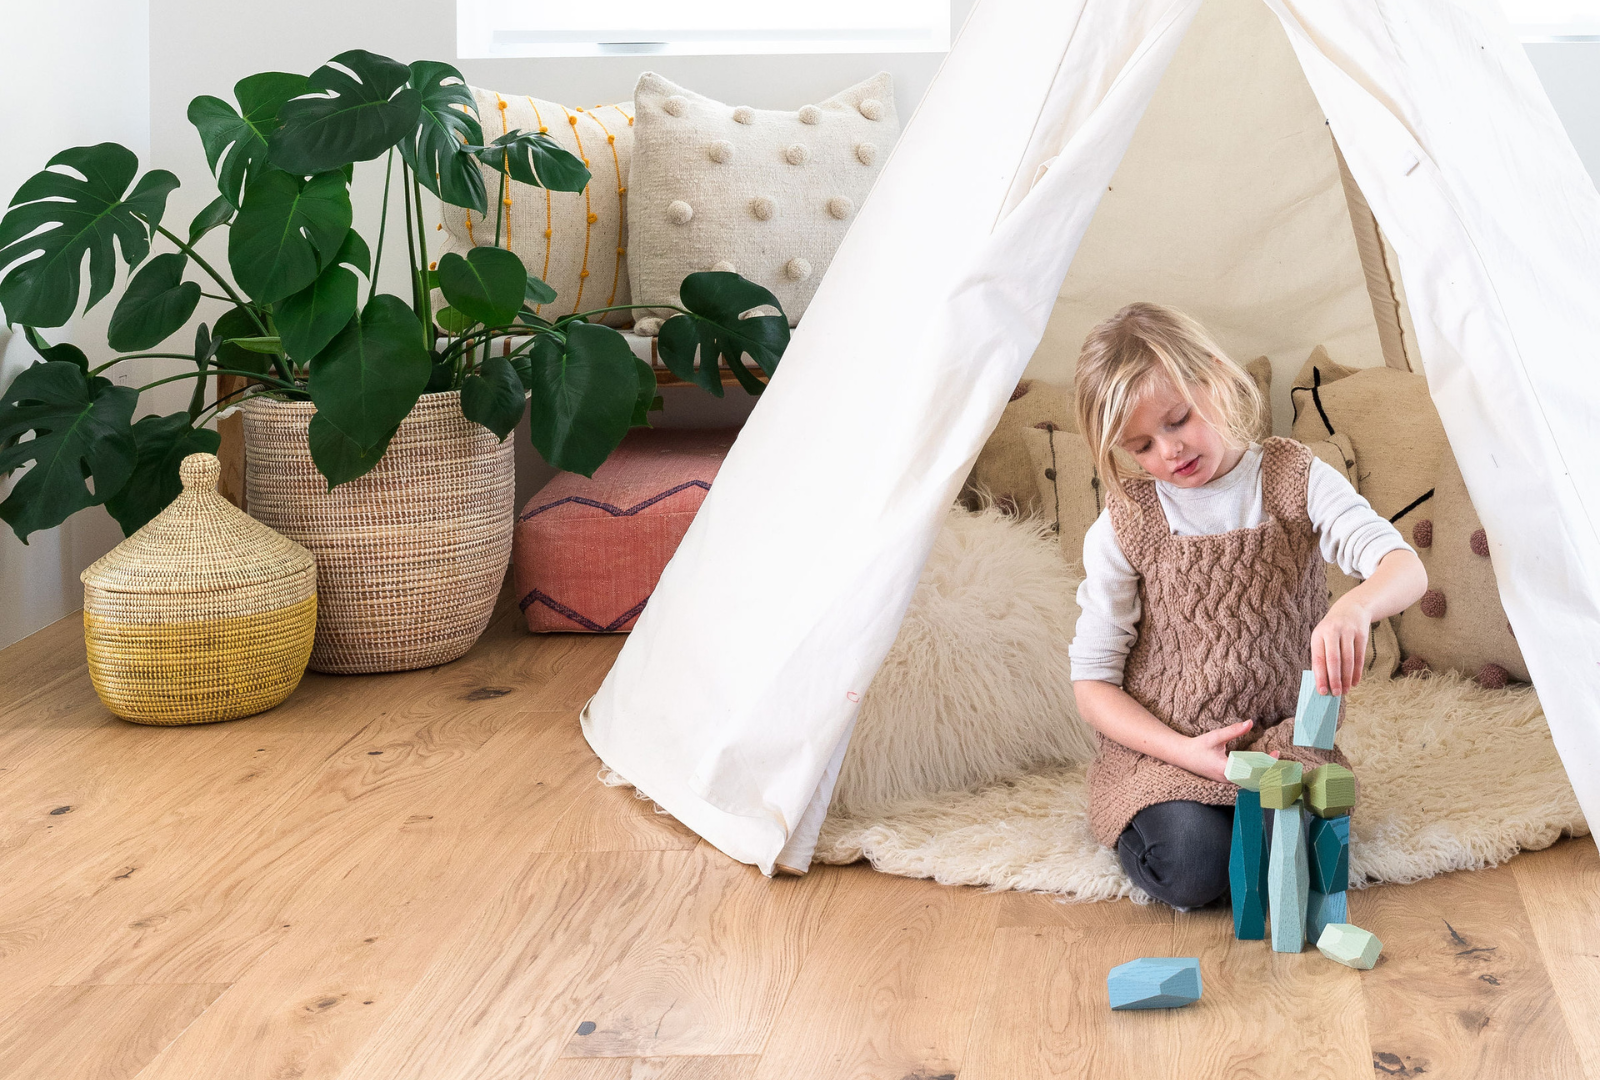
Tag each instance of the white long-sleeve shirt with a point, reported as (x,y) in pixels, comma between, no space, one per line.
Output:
(1350,533)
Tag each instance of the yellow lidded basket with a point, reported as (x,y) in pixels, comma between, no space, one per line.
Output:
(204,614)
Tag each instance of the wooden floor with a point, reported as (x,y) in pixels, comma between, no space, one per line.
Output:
(417,875)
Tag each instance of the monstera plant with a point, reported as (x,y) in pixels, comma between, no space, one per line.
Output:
(291,317)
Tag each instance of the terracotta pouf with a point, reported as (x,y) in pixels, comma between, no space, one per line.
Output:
(588,552)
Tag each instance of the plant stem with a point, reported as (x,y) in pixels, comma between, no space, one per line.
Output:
(279,383)
(218,278)
(383,225)
(215,296)
(140,356)
(411,241)
(217,406)
(427,293)
(500,205)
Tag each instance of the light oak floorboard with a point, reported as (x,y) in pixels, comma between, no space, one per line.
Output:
(97,1032)
(669,1068)
(1560,889)
(1461,988)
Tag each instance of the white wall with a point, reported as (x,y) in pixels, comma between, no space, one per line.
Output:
(127,69)
(72,72)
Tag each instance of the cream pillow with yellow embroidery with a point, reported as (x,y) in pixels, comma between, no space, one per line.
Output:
(574,241)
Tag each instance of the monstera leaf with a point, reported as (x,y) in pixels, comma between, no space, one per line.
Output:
(80,426)
(371,374)
(57,217)
(336,455)
(489,284)
(357,106)
(218,211)
(584,393)
(535,159)
(236,142)
(437,150)
(286,230)
(155,305)
(493,396)
(308,319)
(162,443)
(715,330)
(64,351)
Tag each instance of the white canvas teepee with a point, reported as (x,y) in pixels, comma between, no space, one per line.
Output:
(742,679)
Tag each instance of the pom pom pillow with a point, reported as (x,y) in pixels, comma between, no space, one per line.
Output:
(765,194)
(574,241)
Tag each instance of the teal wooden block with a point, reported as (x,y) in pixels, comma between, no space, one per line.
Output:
(1316,716)
(1348,944)
(1247,868)
(1330,790)
(1323,909)
(1154,982)
(1245,768)
(1288,880)
(1328,841)
(1280,785)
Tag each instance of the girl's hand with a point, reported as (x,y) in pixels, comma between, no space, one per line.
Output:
(1339,646)
(1207,755)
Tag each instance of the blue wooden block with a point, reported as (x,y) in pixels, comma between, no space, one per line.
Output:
(1247,868)
(1323,910)
(1288,880)
(1328,845)
(1316,715)
(1154,982)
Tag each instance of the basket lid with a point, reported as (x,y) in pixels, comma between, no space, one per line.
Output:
(200,543)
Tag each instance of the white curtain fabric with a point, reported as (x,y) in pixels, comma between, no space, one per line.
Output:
(741,679)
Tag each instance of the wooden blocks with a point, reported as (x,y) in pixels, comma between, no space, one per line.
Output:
(1348,944)
(1330,790)
(1329,855)
(1154,982)
(1245,768)
(1316,716)
(1288,880)
(1247,867)
(1280,785)
(1324,909)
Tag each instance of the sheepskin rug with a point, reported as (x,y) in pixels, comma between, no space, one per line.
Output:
(968,761)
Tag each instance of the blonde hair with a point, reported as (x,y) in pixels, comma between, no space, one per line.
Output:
(1126,356)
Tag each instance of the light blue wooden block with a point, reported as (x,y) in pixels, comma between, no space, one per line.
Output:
(1154,982)
(1316,716)
(1323,910)
(1288,880)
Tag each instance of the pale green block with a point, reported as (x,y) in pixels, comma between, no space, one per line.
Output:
(1288,880)
(1280,785)
(1245,768)
(1348,944)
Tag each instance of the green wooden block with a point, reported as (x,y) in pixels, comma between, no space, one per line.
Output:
(1348,944)
(1316,716)
(1288,880)
(1328,842)
(1154,982)
(1280,785)
(1330,790)
(1247,868)
(1245,768)
(1323,909)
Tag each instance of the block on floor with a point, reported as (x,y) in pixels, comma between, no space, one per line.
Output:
(1288,880)
(1154,982)
(1328,843)
(1324,909)
(1348,944)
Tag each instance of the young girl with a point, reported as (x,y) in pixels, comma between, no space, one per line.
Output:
(1204,594)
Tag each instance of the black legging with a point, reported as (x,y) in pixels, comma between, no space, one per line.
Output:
(1178,851)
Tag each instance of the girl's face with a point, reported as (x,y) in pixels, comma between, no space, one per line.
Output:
(1174,441)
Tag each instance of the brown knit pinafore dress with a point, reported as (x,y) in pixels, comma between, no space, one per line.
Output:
(1224,633)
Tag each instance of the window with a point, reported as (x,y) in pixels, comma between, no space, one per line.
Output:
(1554,20)
(486,28)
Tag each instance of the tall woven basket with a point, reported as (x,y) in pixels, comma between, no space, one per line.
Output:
(204,614)
(410,557)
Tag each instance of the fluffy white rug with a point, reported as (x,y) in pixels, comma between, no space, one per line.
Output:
(968,761)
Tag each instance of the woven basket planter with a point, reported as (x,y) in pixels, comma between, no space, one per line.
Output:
(410,557)
(204,614)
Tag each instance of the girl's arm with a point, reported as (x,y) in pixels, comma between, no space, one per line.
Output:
(1339,643)
(1113,713)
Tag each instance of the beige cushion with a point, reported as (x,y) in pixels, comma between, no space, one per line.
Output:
(573,240)
(1459,625)
(1004,470)
(1260,370)
(764,193)
(1068,487)
(1383,645)
(1390,421)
